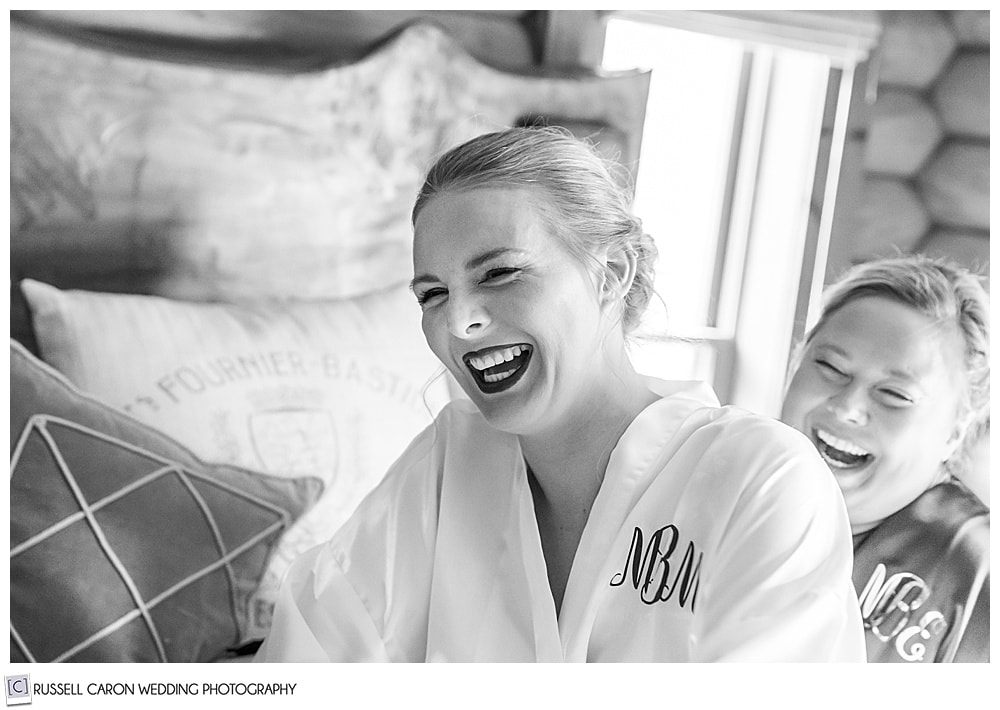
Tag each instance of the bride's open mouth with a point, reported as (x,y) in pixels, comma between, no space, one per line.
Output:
(498,368)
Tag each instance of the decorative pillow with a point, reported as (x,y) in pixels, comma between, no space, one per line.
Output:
(331,389)
(124,546)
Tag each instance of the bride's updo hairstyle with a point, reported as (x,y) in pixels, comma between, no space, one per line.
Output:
(587,208)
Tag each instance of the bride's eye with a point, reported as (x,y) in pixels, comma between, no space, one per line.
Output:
(425,297)
(500,274)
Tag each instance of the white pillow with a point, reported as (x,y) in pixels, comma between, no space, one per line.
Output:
(331,389)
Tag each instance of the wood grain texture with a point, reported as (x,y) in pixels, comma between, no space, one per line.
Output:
(971,249)
(210,183)
(903,133)
(962,95)
(972,27)
(891,218)
(916,45)
(289,39)
(955,186)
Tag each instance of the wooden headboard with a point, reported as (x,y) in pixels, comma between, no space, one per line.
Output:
(199,182)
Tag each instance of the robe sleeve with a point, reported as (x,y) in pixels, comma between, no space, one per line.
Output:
(780,587)
(319,617)
(364,595)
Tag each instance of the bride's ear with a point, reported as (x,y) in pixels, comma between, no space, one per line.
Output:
(620,268)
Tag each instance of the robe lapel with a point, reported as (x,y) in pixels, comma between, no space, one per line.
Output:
(490,597)
(639,457)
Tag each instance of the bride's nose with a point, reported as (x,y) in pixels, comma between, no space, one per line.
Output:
(467,316)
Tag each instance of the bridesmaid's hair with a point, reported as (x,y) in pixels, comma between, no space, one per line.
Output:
(950,295)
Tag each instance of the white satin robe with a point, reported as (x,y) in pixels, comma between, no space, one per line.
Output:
(443,561)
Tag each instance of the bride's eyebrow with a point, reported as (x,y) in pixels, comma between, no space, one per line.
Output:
(486,256)
(473,263)
(423,278)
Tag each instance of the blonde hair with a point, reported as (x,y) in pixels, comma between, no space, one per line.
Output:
(944,292)
(588,207)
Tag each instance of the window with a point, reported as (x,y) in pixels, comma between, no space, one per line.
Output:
(736,183)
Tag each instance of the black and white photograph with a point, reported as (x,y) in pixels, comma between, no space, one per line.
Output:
(494,337)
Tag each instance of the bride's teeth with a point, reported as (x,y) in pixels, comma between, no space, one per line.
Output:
(497,357)
(500,375)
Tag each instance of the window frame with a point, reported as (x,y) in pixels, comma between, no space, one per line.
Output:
(752,347)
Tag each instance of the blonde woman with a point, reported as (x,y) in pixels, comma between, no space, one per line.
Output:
(571,509)
(893,388)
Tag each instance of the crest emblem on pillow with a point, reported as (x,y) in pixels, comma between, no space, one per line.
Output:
(297,442)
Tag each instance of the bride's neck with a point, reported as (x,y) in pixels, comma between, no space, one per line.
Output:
(569,460)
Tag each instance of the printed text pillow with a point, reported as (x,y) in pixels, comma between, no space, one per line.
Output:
(331,389)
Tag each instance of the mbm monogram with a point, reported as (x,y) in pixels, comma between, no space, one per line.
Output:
(651,573)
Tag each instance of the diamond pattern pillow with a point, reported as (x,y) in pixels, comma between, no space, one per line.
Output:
(124,546)
(332,389)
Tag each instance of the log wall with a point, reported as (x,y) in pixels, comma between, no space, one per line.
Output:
(916,168)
